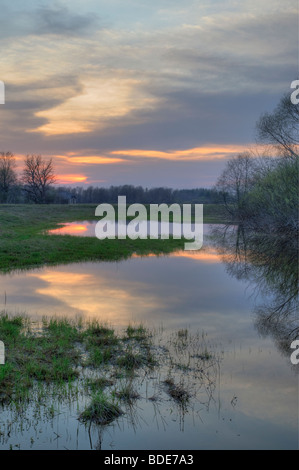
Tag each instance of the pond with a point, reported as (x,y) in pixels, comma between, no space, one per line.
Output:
(249,398)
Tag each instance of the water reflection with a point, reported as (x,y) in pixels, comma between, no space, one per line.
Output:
(144,229)
(185,288)
(255,403)
(154,410)
(271,265)
(82,229)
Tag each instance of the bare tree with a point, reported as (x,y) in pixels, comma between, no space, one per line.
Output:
(38,176)
(281,128)
(8,175)
(235,181)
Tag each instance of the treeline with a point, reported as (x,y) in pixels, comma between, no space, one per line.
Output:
(94,194)
(37,185)
(260,189)
(91,194)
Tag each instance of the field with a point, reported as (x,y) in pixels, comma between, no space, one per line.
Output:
(24,242)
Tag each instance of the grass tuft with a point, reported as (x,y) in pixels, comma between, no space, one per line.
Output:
(177,392)
(101,410)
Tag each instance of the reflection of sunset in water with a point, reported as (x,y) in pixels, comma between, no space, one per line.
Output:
(182,290)
(94,295)
(94,292)
(144,228)
(143,290)
(70,229)
(205,255)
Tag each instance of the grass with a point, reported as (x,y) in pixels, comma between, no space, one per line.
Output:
(136,332)
(131,360)
(25,244)
(62,359)
(177,391)
(101,410)
(126,391)
(47,357)
(59,348)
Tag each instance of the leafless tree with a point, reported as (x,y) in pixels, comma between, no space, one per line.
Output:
(8,175)
(236,180)
(38,176)
(281,127)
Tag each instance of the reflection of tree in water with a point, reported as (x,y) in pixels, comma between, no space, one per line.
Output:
(271,264)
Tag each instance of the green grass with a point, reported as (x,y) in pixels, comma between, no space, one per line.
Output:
(48,357)
(131,360)
(102,410)
(61,361)
(24,243)
(136,332)
(54,353)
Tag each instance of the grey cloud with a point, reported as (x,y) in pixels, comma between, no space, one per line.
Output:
(212,83)
(39,95)
(256,51)
(214,74)
(23,101)
(61,21)
(184,121)
(55,20)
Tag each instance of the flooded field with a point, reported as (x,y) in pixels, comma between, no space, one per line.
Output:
(242,393)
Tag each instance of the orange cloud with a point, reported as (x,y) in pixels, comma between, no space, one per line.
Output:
(65,179)
(93,159)
(196,153)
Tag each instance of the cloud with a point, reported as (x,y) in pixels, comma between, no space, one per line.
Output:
(19,20)
(61,21)
(140,72)
(70,179)
(91,159)
(101,101)
(147,80)
(198,153)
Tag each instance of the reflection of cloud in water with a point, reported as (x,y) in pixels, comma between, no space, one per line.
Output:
(204,255)
(173,290)
(93,294)
(183,289)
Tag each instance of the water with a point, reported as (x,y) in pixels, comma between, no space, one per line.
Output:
(143,229)
(82,229)
(252,402)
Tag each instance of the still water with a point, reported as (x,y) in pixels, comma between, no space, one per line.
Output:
(254,401)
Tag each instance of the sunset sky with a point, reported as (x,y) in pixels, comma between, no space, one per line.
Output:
(142,92)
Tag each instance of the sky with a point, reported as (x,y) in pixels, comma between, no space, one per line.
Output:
(142,92)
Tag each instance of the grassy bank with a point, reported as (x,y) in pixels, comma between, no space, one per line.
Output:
(24,243)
